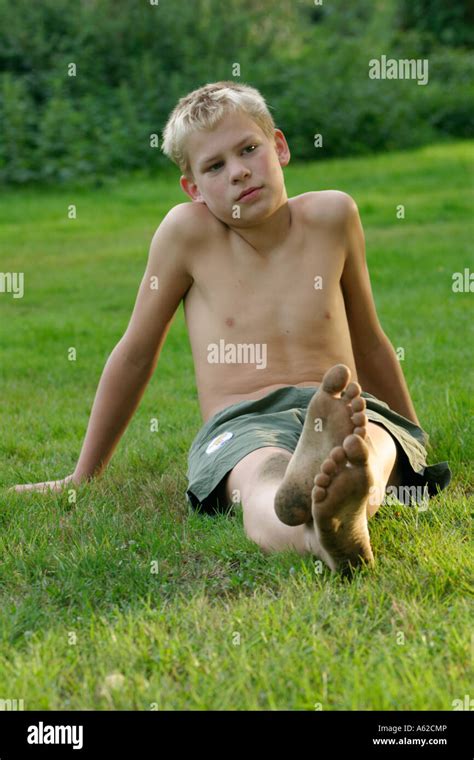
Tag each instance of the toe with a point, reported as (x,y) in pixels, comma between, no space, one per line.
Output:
(356,449)
(352,391)
(329,466)
(322,480)
(338,455)
(359,419)
(358,404)
(318,494)
(360,431)
(336,379)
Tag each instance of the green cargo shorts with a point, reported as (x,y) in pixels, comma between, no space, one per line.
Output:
(277,420)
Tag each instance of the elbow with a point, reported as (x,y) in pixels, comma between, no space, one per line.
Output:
(370,345)
(132,358)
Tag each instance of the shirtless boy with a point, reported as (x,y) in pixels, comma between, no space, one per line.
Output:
(283,328)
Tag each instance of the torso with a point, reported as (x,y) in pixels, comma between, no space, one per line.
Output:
(241,298)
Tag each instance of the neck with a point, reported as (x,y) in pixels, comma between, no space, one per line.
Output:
(267,235)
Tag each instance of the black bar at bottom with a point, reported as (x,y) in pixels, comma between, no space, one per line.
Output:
(153,734)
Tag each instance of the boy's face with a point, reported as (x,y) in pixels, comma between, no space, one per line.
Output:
(235,156)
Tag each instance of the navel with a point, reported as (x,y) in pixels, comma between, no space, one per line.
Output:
(230,322)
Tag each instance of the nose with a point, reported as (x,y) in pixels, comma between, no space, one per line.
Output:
(238,171)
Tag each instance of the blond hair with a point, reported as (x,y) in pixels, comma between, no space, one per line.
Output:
(203,108)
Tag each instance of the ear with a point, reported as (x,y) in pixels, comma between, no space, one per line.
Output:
(281,147)
(190,188)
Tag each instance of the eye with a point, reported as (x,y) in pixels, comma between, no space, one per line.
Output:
(220,163)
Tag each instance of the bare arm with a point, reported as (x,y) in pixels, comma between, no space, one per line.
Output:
(120,389)
(133,360)
(378,368)
(380,373)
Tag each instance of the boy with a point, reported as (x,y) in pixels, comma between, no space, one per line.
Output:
(282,322)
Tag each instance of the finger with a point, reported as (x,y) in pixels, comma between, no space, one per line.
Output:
(33,487)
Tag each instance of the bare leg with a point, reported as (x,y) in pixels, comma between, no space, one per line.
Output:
(261,480)
(335,411)
(254,481)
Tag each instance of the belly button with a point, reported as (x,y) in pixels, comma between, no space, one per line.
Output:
(229,321)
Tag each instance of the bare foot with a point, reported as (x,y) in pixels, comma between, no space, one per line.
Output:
(339,504)
(335,411)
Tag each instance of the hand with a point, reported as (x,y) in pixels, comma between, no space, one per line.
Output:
(47,486)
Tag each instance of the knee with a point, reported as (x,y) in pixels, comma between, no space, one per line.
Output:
(269,546)
(272,539)
(265,542)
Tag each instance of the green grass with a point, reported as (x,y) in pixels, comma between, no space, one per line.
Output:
(85,622)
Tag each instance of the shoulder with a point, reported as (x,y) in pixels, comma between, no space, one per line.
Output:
(332,207)
(191,220)
(183,232)
(184,229)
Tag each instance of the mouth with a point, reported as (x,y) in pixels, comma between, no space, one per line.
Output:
(251,192)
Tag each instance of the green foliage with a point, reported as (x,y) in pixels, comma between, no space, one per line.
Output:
(16,129)
(135,60)
(449,23)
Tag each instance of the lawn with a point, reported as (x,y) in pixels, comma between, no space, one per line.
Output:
(123,598)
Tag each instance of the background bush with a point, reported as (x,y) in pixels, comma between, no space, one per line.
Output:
(134,60)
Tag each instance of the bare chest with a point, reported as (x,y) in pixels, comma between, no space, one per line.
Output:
(284,294)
